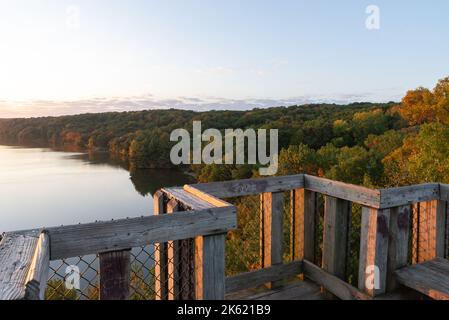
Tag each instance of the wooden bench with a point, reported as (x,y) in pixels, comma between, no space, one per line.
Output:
(430,278)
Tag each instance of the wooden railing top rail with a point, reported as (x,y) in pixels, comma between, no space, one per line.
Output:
(375,198)
(84,239)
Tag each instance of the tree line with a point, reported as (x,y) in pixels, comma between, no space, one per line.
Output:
(376,145)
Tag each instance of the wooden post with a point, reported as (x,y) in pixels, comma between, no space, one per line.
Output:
(374,250)
(213,267)
(181,264)
(303,224)
(115,275)
(429,230)
(272,229)
(398,243)
(337,217)
(160,254)
(173,259)
(36,280)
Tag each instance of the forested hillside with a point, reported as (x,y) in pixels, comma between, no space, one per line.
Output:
(362,143)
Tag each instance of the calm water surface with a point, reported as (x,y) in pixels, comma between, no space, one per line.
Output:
(43,188)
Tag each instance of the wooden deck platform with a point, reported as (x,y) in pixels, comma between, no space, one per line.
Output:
(430,278)
(297,290)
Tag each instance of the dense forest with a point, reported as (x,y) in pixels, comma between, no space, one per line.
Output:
(363,143)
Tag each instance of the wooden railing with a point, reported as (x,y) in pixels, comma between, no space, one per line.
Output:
(195,218)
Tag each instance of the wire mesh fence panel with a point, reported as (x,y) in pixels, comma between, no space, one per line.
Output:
(73,279)
(319,227)
(287,244)
(414,234)
(353,251)
(142,277)
(78,278)
(424,231)
(243,245)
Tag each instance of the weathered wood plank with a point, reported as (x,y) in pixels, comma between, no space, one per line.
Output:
(303,224)
(272,228)
(187,199)
(212,200)
(333,284)
(213,268)
(444,192)
(198,268)
(297,290)
(16,256)
(343,191)
(115,275)
(263,276)
(395,197)
(400,218)
(374,250)
(36,280)
(337,217)
(239,188)
(174,247)
(160,254)
(78,240)
(430,278)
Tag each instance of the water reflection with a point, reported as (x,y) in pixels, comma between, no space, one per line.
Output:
(146,181)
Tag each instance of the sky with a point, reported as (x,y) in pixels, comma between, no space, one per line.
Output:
(68,57)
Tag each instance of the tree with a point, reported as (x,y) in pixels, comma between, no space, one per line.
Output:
(422,158)
(297,159)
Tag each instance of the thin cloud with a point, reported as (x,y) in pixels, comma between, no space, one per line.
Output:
(40,108)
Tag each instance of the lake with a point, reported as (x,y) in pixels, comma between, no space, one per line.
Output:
(45,188)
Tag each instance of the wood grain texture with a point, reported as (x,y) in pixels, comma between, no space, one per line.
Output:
(395,197)
(84,239)
(16,256)
(186,199)
(303,224)
(36,280)
(212,200)
(272,229)
(430,278)
(444,192)
(213,273)
(337,215)
(297,290)
(400,220)
(174,259)
(239,188)
(160,253)
(198,268)
(374,250)
(263,276)
(115,275)
(344,191)
(333,284)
